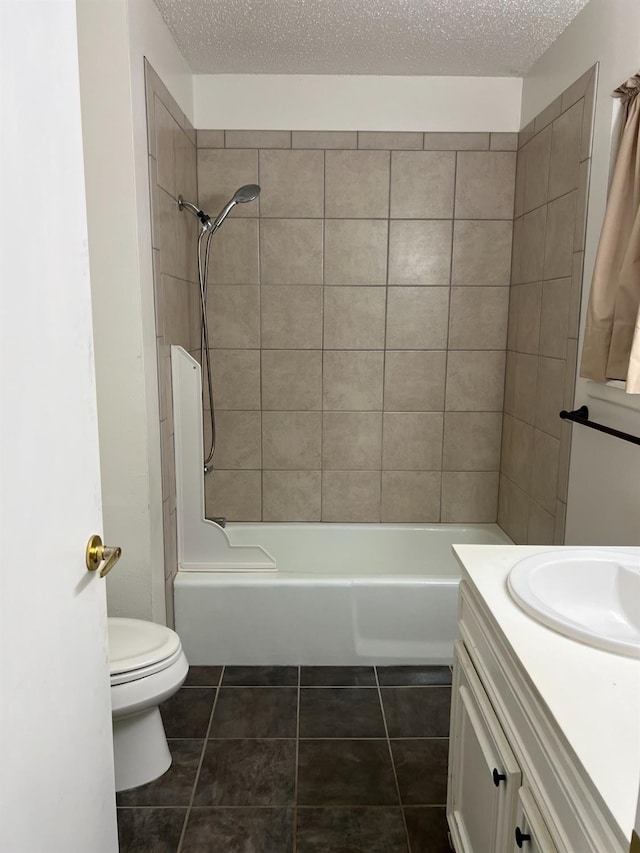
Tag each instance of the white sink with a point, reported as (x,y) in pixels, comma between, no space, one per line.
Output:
(589,594)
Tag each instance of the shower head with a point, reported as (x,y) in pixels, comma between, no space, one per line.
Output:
(249,192)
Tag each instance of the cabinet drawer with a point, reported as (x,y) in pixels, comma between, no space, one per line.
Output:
(484,776)
(531,833)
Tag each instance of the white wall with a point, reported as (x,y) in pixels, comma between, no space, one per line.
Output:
(604,484)
(331,102)
(113,37)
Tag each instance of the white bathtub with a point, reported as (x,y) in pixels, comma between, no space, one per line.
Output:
(343,594)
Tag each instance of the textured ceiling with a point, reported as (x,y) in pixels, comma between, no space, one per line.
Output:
(449,37)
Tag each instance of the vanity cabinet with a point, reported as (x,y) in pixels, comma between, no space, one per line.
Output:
(513,782)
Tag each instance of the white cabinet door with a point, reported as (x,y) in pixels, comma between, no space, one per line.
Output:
(531,834)
(484,776)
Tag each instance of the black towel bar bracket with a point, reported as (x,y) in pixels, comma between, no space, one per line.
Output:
(581,416)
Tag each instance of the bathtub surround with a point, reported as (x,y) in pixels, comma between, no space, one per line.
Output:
(552,182)
(358,323)
(172,172)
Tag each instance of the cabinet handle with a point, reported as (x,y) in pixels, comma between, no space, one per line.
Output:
(521,837)
(498,777)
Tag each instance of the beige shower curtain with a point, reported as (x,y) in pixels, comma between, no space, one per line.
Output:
(612,337)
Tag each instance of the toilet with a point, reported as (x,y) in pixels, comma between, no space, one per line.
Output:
(147,665)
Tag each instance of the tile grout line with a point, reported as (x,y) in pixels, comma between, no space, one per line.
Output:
(393,765)
(295,778)
(200,763)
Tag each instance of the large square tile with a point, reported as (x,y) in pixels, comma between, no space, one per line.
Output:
(345,772)
(239,830)
(427,829)
(186,714)
(292,183)
(355,251)
(220,172)
(565,151)
(417,318)
(233,313)
(475,381)
(236,379)
(357,184)
(472,441)
(174,787)
(478,318)
(469,497)
(352,380)
(351,496)
(291,495)
(422,184)
(238,439)
(292,380)
(291,440)
(351,440)
(417,712)
(340,712)
(537,155)
(291,251)
(291,317)
(410,496)
(260,676)
(485,184)
(403,676)
(143,829)
(203,676)
(412,441)
(354,317)
(421,768)
(337,676)
(236,495)
(420,251)
(481,253)
(414,381)
(255,712)
(247,773)
(350,830)
(558,251)
(234,253)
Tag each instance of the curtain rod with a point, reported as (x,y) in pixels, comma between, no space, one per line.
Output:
(581,416)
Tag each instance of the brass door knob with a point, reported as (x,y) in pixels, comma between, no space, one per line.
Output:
(98,553)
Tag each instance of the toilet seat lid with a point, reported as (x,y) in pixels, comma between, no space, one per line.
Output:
(134,643)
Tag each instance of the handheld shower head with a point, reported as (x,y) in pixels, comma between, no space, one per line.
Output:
(249,192)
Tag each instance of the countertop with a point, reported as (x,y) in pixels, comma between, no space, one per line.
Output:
(593,695)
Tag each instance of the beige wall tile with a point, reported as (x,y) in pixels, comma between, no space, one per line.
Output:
(220,174)
(580,232)
(469,496)
(570,374)
(587,119)
(485,185)
(355,251)
(210,138)
(526,134)
(559,523)
(257,138)
(291,317)
(558,252)
(510,382)
(504,142)
(478,317)
(154,192)
(414,381)
(541,526)
(520,182)
(521,454)
(234,316)
(538,156)
(389,139)
(292,380)
(292,183)
(166,129)
(186,167)
(238,440)
(291,251)
(564,456)
(352,380)
(410,496)
(512,325)
(516,252)
(168,214)
(575,300)
(291,440)
(533,245)
(513,511)
(351,496)
(456,141)
(472,441)
(354,317)
(412,441)
(524,394)
(554,323)
(175,303)
(565,151)
(420,252)
(545,470)
(578,89)
(529,314)
(234,253)
(236,495)
(291,495)
(422,184)
(549,395)
(187,229)
(481,252)
(324,139)
(357,184)
(236,379)
(351,440)
(417,317)
(475,381)
(548,114)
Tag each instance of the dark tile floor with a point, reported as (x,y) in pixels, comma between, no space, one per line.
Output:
(299,760)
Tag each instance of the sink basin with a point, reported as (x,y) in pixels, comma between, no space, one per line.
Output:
(591,595)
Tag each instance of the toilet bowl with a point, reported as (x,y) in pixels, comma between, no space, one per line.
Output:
(147,665)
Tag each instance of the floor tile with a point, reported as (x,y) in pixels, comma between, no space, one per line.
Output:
(254,712)
(337,676)
(239,831)
(145,830)
(247,773)
(345,772)
(260,676)
(401,676)
(187,713)
(427,829)
(421,767)
(174,787)
(203,676)
(350,830)
(341,712)
(417,711)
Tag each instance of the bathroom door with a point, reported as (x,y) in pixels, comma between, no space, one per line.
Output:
(56,765)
